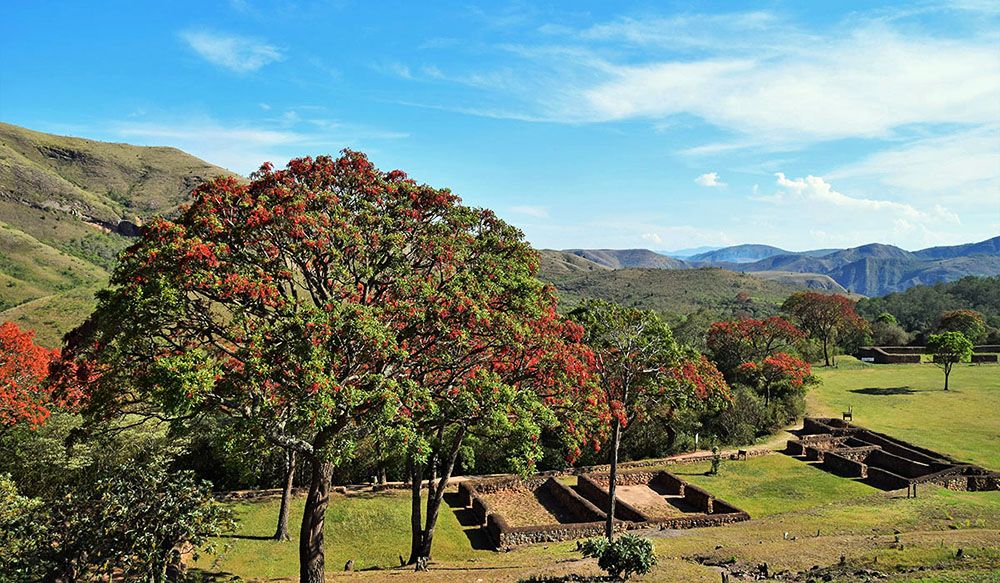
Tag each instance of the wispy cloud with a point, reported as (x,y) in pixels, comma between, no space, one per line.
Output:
(865,85)
(538,212)
(964,165)
(710,179)
(243,146)
(236,53)
(819,195)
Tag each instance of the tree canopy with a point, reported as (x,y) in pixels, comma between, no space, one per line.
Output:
(323,296)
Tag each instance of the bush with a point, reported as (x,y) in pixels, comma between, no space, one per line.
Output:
(623,557)
(128,519)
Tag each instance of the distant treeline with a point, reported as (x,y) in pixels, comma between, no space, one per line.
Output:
(918,309)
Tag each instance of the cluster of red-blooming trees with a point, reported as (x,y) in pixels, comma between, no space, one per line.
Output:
(330,302)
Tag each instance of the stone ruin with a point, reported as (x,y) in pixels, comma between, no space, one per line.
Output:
(644,499)
(885,462)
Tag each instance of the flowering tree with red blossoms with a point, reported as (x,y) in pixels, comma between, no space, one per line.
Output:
(640,369)
(501,379)
(735,342)
(776,375)
(309,303)
(825,317)
(25,399)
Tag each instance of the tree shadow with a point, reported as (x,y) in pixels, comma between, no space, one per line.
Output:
(884,391)
(200,575)
(246,536)
(477,535)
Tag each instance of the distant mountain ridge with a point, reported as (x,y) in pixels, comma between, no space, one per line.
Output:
(874,269)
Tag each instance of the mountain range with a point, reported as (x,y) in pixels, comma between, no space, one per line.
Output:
(68,206)
(871,270)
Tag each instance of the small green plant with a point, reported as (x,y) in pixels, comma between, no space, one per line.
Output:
(622,557)
(716,461)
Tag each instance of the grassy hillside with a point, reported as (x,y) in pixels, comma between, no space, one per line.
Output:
(663,290)
(67,208)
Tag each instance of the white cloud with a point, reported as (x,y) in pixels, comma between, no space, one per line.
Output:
(819,197)
(233,52)
(653,238)
(244,146)
(866,85)
(710,179)
(539,212)
(963,166)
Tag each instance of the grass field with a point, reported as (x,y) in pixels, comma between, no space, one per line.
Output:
(801,515)
(907,401)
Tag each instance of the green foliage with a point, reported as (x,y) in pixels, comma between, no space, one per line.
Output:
(886,318)
(969,322)
(622,557)
(919,308)
(126,519)
(18,537)
(949,347)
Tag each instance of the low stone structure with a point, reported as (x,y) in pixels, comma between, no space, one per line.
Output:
(883,461)
(583,509)
(982,354)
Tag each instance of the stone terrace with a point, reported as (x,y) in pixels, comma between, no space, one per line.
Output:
(539,509)
(885,462)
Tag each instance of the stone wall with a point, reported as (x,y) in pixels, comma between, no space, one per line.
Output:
(842,466)
(599,495)
(583,510)
(698,498)
(898,465)
(667,483)
(984,358)
(885,479)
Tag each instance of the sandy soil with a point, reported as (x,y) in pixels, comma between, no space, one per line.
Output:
(647,501)
(523,507)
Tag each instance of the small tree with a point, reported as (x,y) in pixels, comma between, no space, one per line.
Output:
(776,376)
(24,396)
(969,322)
(626,556)
(825,317)
(949,348)
(635,360)
(734,342)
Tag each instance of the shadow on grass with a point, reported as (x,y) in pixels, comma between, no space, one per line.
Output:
(477,536)
(202,576)
(246,536)
(884,391)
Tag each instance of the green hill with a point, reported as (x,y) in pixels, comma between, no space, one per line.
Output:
(68,206)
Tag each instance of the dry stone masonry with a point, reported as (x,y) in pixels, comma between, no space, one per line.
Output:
(670,503)
(885,462)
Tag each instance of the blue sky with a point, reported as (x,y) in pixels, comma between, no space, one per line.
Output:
(662,125)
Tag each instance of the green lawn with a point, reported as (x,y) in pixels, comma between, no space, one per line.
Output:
(371,529)
(907,401)
(772,484)
(825,516)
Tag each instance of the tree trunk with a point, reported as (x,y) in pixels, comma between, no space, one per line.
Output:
(415,471)
(616,434)
(947,373)
(826,352)
(435,496)
(286,497)
(311,559)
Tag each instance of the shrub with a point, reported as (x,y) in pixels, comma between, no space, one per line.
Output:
(623,557)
